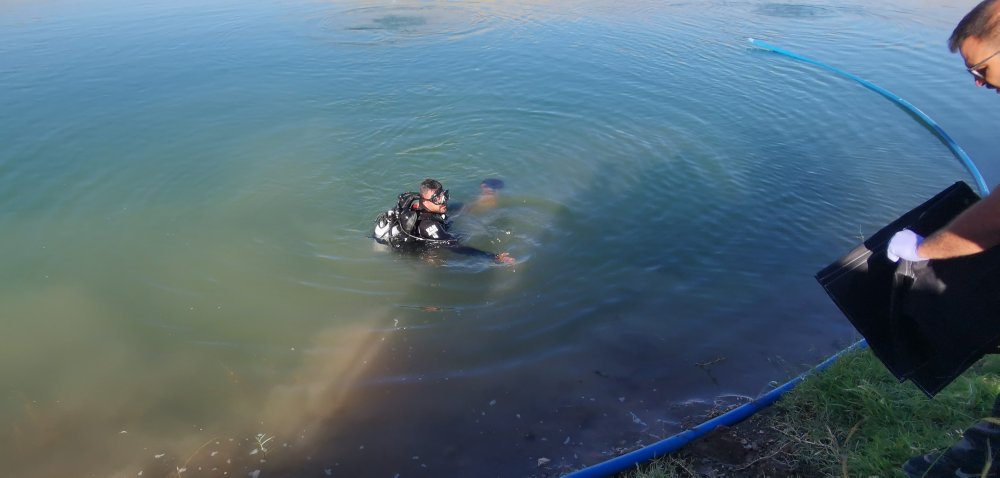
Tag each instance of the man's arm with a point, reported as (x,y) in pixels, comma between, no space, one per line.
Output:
(436,230)
(501,258)
(973,231)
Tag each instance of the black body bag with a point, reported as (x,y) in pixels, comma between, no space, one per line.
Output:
(926,321)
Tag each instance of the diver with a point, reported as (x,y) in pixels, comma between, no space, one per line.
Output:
(419,221)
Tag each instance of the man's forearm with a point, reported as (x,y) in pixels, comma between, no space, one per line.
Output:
(472,251)
(973,231)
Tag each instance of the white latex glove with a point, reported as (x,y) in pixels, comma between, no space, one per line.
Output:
(903,245)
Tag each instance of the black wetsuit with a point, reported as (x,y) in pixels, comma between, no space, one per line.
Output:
(433,227)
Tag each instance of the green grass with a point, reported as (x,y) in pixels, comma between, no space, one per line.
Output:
(855,419)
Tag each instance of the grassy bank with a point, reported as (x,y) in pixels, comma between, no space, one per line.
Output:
(854,419)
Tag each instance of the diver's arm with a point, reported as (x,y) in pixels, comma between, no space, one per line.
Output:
(437,231)
(974,230)
(501,258)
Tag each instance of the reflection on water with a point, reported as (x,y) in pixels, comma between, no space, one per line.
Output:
(186,192)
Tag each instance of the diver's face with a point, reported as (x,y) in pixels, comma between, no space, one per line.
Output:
(435,201)
(982,59)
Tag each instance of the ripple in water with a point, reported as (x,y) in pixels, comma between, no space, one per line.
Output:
(394,23)
(793,10)
(390,24)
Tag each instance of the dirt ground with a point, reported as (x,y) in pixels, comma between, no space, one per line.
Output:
(752,448)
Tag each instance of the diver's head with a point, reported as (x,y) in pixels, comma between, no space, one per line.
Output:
(433,197)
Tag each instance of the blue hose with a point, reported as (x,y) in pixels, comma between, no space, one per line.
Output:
(926,120)
(674,443)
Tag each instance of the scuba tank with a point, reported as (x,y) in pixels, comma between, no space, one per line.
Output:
(406,214)
(397,225)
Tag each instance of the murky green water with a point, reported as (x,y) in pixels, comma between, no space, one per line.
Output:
(186,189)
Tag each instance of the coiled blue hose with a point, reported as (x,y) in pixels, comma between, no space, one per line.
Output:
(926,120)
(678,441)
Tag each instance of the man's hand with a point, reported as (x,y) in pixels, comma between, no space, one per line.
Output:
(903,245)
(504,258)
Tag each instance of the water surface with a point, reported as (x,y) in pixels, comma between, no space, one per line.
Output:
(186,190)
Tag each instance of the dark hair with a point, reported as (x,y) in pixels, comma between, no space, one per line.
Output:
(430,185)
(981,22)
(492,183)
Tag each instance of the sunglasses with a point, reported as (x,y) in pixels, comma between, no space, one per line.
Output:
(977,71)
(439,197)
